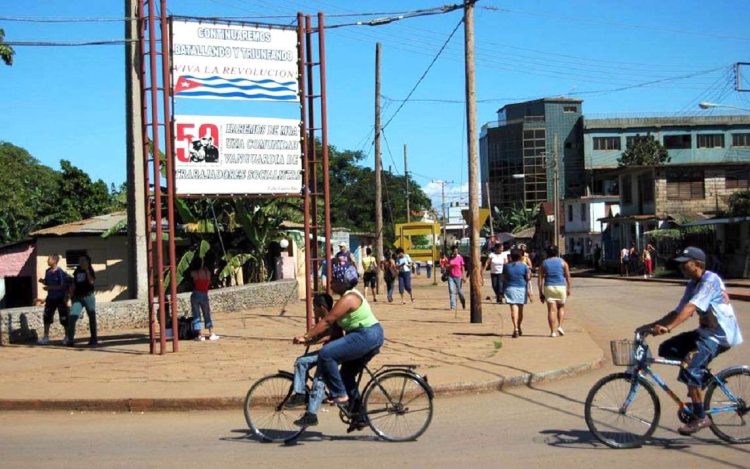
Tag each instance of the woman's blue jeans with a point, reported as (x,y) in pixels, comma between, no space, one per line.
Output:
(455,288)
(350,351)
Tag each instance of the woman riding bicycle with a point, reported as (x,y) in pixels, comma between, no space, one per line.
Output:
(364,335)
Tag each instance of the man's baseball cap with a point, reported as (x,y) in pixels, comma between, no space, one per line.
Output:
(342,244)
(691,253)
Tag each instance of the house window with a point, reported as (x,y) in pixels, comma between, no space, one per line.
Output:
(710,140)
(741,140)
(606,143)
(737,180)
(627,190)
(570,108)
(72,257)
(685,185)
(583,212)
(570,213)
(677,142)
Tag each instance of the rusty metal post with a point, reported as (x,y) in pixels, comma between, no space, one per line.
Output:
(324,142)
(169,157)
(152,53)
(146,182)
(312,169)
(305,166)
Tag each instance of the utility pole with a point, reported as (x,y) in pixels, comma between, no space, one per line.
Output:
(475,279)
(136,211)
(445,218)
(406,178)
(489,207)
(555,194)
(378,166)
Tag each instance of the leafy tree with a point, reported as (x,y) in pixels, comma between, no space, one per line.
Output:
(28,191)
(80,197)
(515,218)
(6,51)
(644,151)
(739,204)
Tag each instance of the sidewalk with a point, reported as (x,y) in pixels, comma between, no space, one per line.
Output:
(455,355)
(738,288)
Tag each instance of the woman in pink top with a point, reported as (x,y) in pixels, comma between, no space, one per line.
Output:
(455,279)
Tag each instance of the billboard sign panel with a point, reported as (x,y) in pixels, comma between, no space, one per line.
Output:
(214,60)
(237,155)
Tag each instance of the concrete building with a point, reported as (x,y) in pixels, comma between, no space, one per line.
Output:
(517,152)
(709,160)
(17,273)
(584,225)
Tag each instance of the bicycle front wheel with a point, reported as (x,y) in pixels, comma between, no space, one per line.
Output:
(265,412)
(728,406)
(398,406)
(619,413)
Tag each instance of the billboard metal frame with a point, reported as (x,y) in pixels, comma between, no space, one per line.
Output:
(157,122)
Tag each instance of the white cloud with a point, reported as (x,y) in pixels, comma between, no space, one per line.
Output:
(453,193)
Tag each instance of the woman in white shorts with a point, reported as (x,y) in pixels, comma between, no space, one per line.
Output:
(554,288)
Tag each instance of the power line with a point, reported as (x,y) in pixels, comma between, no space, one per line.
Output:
(425,73)
(98,42)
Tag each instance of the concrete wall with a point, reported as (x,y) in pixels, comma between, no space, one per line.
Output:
(133,314)
(108,258)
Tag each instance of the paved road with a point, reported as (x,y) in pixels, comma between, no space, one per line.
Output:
(518,427)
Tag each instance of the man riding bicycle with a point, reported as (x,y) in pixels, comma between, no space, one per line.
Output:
(717,331)
(364,336)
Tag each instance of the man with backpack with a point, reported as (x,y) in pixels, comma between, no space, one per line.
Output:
(56,283)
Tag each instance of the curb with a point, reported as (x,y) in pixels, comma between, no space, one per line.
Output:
(236,403)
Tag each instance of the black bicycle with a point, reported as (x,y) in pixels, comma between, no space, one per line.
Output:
(396,404)
(623,410)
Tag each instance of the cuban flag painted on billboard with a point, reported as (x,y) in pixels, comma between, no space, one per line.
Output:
(189,86)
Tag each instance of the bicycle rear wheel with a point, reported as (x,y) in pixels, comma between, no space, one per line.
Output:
(731,422)
(616,423)
(398,406)
(265,412)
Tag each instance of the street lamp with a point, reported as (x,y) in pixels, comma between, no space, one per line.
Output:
(709,105)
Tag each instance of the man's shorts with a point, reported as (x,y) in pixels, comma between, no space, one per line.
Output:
(555,294)
(59,304)
(370,279)
(695,351)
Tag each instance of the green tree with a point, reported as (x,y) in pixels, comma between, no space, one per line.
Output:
(644,151)
(739,204)
(514,218)
(80,197)
(28,191)
(6,52)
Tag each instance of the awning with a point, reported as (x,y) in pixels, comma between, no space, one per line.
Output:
(718,221)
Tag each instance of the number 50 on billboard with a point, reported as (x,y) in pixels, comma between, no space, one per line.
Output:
(237,155)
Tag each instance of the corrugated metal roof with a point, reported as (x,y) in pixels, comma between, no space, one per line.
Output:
(94,225)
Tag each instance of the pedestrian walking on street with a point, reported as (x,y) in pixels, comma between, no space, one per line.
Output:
(55,283)
(517,281)
(455,279)
(554,288)
(648,266)
(83,297)
(625,262)
(404,264)
(370,276)
(199,302)
(429,268)
(344,257)
(390,272)
(495,263)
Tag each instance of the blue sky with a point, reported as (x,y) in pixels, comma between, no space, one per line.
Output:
(68,103)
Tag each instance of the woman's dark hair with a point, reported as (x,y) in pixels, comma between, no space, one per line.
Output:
(497,246)
(368,251)
(400,251)
(323,300)
(552,251)
(515,254)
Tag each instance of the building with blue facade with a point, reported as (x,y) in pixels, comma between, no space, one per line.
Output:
(517,152)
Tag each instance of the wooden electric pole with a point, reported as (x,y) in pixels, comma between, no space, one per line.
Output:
(378,164)
(555,195)
(489,207)
(406,178)
(475,278)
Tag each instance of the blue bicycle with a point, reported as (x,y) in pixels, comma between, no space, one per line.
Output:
(623,410)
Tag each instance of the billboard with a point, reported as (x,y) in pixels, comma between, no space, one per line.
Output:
(217,60)
(237,155)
